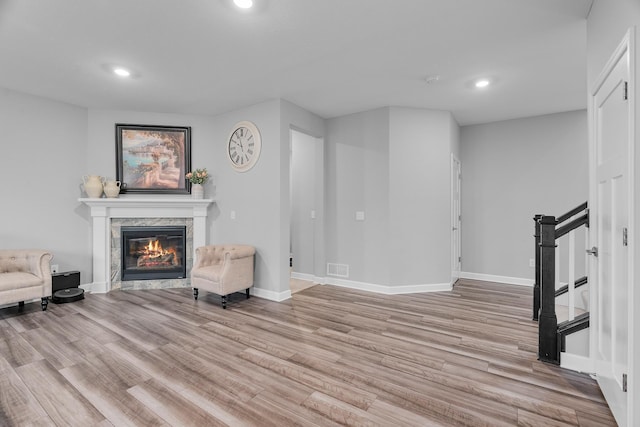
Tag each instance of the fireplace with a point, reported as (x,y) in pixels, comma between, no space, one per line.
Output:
(153,252)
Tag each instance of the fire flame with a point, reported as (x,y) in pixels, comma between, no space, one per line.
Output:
(154,250)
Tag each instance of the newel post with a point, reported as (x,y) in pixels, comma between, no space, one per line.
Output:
(536,280)
(547,321)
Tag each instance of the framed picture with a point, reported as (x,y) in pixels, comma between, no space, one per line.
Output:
(153,159)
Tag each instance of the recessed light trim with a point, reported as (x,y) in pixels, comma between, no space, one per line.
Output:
(482,83)
(122,72)
(243,4)
(431,78)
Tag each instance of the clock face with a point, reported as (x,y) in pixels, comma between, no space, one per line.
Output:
(243,146)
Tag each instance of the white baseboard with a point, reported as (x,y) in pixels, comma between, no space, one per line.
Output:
(308,277)
(101,288)
(95,287)
(577,363)
(387,290)
(498,279)
(271,295)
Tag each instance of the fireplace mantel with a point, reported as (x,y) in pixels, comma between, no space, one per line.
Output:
(102,210)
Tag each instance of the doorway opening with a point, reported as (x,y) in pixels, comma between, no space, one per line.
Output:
(306,197)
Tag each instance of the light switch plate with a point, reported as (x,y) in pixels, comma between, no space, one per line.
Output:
(360,216)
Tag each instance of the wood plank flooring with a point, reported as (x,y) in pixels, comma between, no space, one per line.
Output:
(297,285)
(329,356)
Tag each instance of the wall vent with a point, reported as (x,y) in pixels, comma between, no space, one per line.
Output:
(338,270)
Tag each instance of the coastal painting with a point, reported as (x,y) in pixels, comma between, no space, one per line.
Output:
(153,159)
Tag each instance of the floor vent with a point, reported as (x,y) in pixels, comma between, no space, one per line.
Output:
(338,270)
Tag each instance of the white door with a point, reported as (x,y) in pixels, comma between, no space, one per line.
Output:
(456,258)
(611,145)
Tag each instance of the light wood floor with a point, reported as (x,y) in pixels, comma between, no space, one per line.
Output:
(297,285)
(329,356)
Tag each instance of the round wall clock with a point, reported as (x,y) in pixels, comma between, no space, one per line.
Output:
(243,146)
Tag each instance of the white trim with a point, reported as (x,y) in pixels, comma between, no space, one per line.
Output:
(387,290)
(498,279)
(577,363)
(95,287)
(271,295)
(633,413)
(455,173)
(308,277)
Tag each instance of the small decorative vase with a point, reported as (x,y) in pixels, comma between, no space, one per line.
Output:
(197,191)
(93,186)
(112,189)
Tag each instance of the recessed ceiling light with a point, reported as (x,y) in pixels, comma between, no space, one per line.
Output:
(432,78)
(122,72)
(243,4)
(482,83)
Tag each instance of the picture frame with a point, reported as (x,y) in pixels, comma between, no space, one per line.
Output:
(153,159)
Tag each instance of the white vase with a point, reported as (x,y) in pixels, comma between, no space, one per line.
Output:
(112,189)
(197,191)
(93,186)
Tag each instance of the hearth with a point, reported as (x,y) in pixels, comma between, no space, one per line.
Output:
(153,252)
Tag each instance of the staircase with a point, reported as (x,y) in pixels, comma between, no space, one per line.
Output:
(555,322)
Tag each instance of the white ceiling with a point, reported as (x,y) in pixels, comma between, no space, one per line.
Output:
(331,57)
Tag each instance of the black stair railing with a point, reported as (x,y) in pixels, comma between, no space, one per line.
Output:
(547,230)
(547,320)
(536,281)
(583,220)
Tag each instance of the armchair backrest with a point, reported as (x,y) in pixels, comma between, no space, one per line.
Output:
(34,261)
(215,254)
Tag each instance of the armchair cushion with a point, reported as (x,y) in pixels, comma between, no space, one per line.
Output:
(17,280)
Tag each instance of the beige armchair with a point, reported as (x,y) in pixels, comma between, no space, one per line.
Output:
(24,275)
(223,269)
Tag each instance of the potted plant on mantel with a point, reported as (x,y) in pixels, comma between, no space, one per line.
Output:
(197,178)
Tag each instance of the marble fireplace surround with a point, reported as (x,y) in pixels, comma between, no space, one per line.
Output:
(116,253)
(104,211)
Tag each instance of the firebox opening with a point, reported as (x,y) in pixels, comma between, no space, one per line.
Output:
(153,253)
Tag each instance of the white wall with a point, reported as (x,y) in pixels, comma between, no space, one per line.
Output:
(357,169)
(254,195)
(607,24)
(455,137)
(43,160)
(420,143)
(512,170)
(393,165)
(260,197)
(101,143)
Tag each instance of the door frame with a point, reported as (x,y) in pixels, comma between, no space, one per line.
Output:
(456,223)
(626,47)
(317,214)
